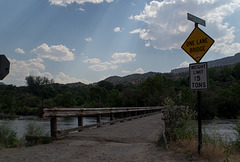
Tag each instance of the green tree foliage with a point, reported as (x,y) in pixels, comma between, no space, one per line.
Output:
(35,82)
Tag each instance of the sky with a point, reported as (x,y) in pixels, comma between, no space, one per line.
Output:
(89,40)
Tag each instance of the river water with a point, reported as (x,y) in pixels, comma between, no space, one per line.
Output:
(224,128)
(19,125)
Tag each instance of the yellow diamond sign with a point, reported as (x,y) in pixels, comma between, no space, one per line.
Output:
(197,44)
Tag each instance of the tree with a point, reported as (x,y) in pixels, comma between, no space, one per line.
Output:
(34,83)
(236,71)
(106,85)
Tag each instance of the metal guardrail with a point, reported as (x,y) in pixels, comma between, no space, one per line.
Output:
(123,114)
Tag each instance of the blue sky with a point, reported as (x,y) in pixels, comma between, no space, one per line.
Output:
(89,40)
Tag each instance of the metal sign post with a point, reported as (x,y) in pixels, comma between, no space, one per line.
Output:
(196,45)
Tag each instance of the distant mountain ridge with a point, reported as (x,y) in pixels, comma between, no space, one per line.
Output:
(133,78)
(219,62)
(175,73)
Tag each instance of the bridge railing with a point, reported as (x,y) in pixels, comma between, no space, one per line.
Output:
(118,114)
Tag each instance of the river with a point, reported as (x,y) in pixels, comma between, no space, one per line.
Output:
(211,127)
(20,124)
(224,128)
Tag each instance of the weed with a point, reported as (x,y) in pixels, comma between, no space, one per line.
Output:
(33,129)
(8,137)
(36,131)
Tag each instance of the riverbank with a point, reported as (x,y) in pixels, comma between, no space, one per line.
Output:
(128,141)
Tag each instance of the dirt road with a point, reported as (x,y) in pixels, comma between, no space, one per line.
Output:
(131,141)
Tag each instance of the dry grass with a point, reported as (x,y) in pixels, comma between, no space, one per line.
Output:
(210,151)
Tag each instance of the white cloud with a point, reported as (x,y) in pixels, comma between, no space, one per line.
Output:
(63,79)
(168,27)
(184,64)
(143,33)
(88,39)
(139,70)
(117,29)
(81,9)
(118,58)
(98,67)
(123,57)
(20,69)
(92,61)
(68,2)
(19,50)
(55,52)
(147,44)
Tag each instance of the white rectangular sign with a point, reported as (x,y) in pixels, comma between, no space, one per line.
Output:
(196,19)
(198,76)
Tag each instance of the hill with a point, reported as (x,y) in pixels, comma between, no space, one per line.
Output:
(219,62)
(175,73)
(133,78)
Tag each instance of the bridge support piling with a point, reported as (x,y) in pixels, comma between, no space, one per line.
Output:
(111,116)
(53,127)
(99,119)
(135,113)
(80,122)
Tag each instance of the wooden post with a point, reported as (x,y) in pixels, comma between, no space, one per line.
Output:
(99,119)
(80,122)
(129,114)
(121,115)
(53,123)
(136,113)
(111,116)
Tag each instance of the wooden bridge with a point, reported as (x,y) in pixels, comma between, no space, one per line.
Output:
(119,114)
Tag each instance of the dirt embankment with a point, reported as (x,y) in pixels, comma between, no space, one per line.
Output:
(128,141)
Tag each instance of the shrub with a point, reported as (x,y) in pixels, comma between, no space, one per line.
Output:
(37,131)
(8,137)
(179,124)
(33,129)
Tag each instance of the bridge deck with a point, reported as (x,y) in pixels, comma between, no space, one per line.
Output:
(128,141)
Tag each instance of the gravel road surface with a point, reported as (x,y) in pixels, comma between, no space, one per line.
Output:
(130,141)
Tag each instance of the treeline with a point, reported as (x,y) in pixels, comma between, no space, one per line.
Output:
(222,99)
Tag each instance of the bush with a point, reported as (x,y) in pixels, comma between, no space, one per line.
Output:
(36,131)
(178,125)
(8,137)
(33,129)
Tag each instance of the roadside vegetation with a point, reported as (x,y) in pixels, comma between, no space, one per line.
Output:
(9,139)
(181,133)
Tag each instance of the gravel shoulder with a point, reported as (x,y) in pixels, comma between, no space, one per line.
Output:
(128,141)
